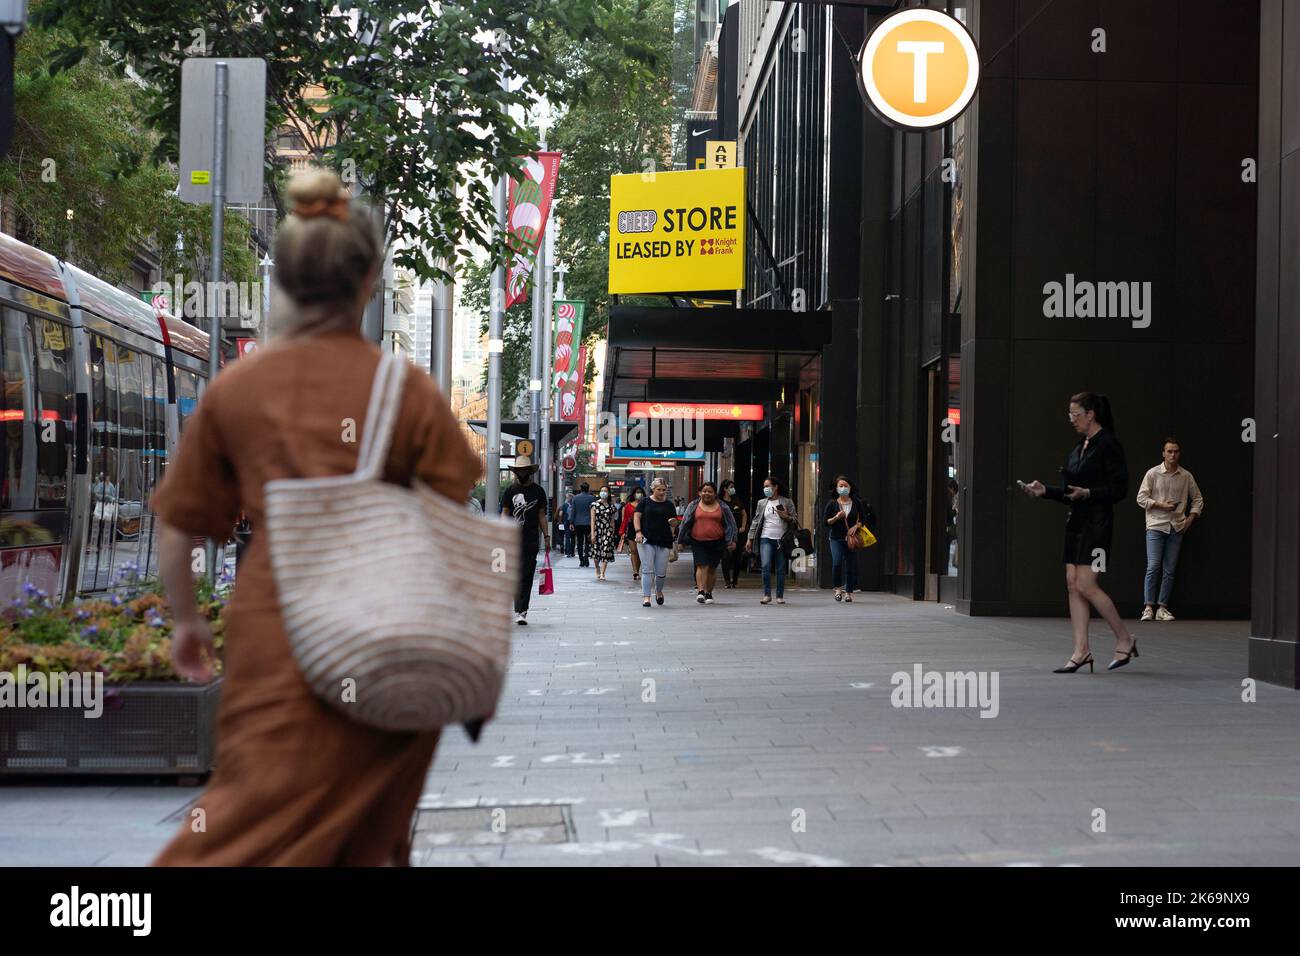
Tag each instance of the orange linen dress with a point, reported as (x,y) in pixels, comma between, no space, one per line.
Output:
(296,783)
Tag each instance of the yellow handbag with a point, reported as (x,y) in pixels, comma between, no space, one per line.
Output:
(865,536)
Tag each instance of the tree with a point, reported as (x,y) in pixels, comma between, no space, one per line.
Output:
(75,176)
(619,118)
(401,96)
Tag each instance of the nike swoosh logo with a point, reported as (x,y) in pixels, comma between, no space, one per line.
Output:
(702,132)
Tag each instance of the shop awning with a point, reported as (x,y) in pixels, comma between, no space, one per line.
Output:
(560,431)
(712,354)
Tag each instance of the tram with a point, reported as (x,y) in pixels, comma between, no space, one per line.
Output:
(95,388)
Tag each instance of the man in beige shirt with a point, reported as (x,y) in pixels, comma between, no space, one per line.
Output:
(1164,494)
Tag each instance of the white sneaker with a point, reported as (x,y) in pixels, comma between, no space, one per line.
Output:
(1148,614)
(1162,614)
(521,617)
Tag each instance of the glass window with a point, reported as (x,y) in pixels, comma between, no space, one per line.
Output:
(18,487)
(97,568)
(35,411)
(54,396)
(187,395)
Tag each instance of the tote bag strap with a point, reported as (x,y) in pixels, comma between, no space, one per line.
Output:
(381,415)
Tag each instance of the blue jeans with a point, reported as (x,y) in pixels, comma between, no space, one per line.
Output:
(1162,554)
(654,566)
(842,557)
(770,553)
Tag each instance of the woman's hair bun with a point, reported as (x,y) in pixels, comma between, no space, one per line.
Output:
(315,185)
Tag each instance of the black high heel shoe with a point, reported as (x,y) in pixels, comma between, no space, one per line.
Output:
(1128,656)
(1075,665)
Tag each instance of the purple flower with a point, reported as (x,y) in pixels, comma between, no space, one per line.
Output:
(90,632)
(115,601)
(82,614)
(29,588)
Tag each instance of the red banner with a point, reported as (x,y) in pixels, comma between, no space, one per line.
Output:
(530,204)
(582,392)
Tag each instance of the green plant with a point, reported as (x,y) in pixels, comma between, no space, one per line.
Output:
(127,635)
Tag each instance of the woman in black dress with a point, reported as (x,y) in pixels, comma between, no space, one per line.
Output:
(1095,477)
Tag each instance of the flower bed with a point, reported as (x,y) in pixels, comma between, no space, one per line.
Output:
(151,720)
(126,636)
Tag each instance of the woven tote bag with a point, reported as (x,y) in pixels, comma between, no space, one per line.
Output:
(396,600)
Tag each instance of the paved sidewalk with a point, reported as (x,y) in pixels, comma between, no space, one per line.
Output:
(770,739)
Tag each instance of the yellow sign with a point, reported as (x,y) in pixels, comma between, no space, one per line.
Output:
(677,232)
(523,447)
(919,68)
(200,177)
(720,154)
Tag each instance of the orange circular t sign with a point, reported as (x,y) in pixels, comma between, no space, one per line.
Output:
(919,68)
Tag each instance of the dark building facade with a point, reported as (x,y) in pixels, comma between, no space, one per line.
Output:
(1113,213)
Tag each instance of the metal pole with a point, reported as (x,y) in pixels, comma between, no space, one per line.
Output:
(444,298)
(535,361)
(548,358)
(221,97)
(496,322)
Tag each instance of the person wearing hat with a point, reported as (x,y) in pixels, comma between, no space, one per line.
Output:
(525,501)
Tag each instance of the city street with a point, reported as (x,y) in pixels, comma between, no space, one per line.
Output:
(762,712)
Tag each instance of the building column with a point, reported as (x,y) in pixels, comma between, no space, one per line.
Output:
(1275,541)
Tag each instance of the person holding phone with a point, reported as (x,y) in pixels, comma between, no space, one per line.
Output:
(774,515)
(1093,480)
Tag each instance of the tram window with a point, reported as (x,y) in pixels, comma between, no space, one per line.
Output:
(17,485)
(105,455)
(131,424)
(187,395)
(54,433)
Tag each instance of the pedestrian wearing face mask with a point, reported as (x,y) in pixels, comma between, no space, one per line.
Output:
(844,516)
(604,531)
(627,531)
(733,558)
(774,517)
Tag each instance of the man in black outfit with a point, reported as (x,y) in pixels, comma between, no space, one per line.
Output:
(525,501)
(580,510)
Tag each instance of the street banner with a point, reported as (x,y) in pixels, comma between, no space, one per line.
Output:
(677,232)
(566,352)
(580,389)
(530,204)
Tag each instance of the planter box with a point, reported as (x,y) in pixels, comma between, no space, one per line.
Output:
(146,728)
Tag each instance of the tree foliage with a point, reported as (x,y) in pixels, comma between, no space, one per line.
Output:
(619,117)
(77,178)
(401,96)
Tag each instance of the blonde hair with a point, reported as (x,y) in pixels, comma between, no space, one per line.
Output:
(324,253)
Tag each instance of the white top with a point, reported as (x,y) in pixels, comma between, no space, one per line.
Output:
(1161,484)
(846,507)
(773,526)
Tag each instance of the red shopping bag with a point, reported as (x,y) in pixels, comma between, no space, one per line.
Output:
(547,584)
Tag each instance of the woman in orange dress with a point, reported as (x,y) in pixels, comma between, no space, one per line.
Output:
(296,783)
